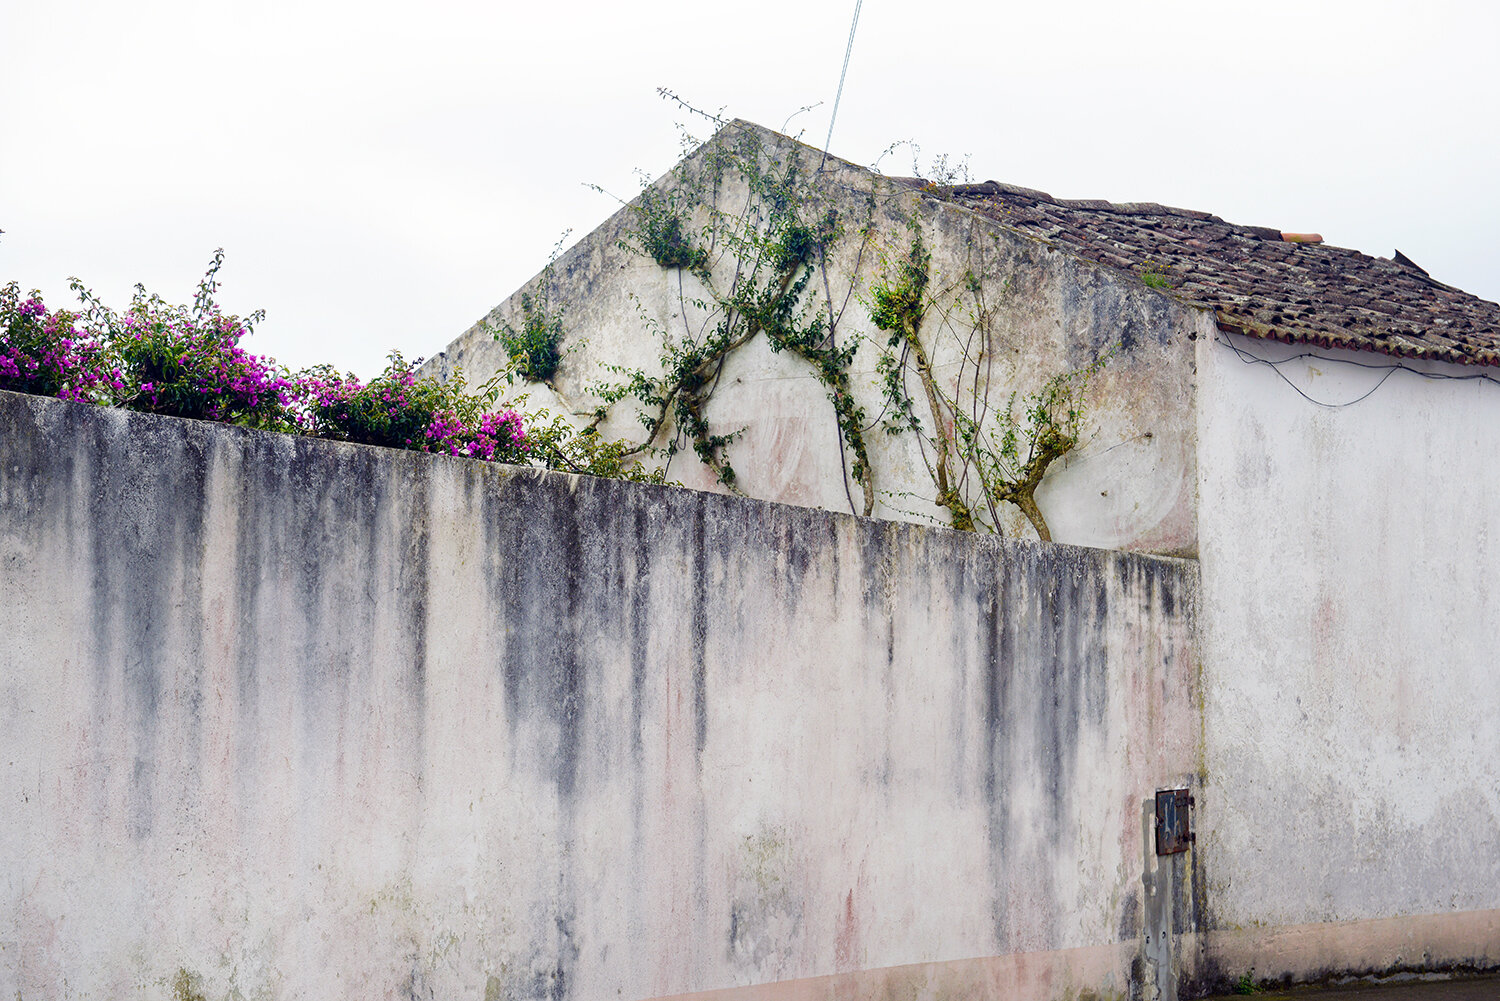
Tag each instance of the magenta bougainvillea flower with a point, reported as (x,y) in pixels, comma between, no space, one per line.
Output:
(188,362)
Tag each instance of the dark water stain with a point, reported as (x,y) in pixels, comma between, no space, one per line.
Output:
(503,538)
(331,511)
(147,509)
(567,959)
(1200,918)
(568,568)
(975,583)
(1163,586)
(564,683)
(415,593)
(1045,636)
(1130,917)
(635,586)
(1003,643)
(832,532)
(1153,583)
(873,541)
(314,489)
(536,540)
(1100,313)
(191,671)
(34,475)
(790,541)
(699,589)
(254,546)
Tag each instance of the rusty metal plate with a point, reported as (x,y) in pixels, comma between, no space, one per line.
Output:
(1174,832)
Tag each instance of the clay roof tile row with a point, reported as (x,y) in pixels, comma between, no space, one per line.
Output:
(1257,283)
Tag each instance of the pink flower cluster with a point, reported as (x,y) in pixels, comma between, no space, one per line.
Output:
(194,367)
(494,432)
(324,390)
(42,352)
(170,360)
(402,410)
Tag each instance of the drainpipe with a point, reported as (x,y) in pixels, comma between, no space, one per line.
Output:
(1166,839)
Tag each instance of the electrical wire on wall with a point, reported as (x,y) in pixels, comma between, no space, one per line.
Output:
(1388,369)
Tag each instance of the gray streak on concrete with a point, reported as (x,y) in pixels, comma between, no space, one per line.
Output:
(312,719)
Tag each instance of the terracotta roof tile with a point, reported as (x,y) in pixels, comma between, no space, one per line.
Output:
(1256,282)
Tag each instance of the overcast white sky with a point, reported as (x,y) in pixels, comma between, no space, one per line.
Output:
(381,174)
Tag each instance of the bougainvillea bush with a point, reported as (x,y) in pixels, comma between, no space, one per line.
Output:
(42,352)
(400,410)
(187,361)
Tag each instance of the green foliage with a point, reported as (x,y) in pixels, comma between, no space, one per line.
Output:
(562,446)
(535,349)
(899,298)
(1050,420)
(187,361)
(689,367)
(1048,427)
(899,302)
(1155,276)
(776,247)
(759,266)
(394,410)
(42,352)
(808,333)
(399,409)
(900,414)
(1246,984)
(661,234)
(942,171)
(979,460)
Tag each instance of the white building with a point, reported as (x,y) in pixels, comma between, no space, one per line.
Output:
(1317,428)
(291,718)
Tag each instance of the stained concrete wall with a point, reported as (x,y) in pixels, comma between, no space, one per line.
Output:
(1131,483)
(284,718)
(1351,587)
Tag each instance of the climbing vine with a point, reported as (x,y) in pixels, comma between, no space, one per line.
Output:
(898,305)
(978,459)
(535,347)
(746,233)
(752,270)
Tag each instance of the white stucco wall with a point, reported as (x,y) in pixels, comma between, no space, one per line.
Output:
(1351,580)
(1130,485)
(310,720)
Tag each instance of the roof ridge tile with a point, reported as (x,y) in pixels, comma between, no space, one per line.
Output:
(1001,188)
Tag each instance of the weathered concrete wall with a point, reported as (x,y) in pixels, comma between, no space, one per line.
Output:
(1351,583)
(1130,485)
(284,718)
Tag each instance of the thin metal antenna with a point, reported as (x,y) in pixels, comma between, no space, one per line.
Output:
(843,73)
